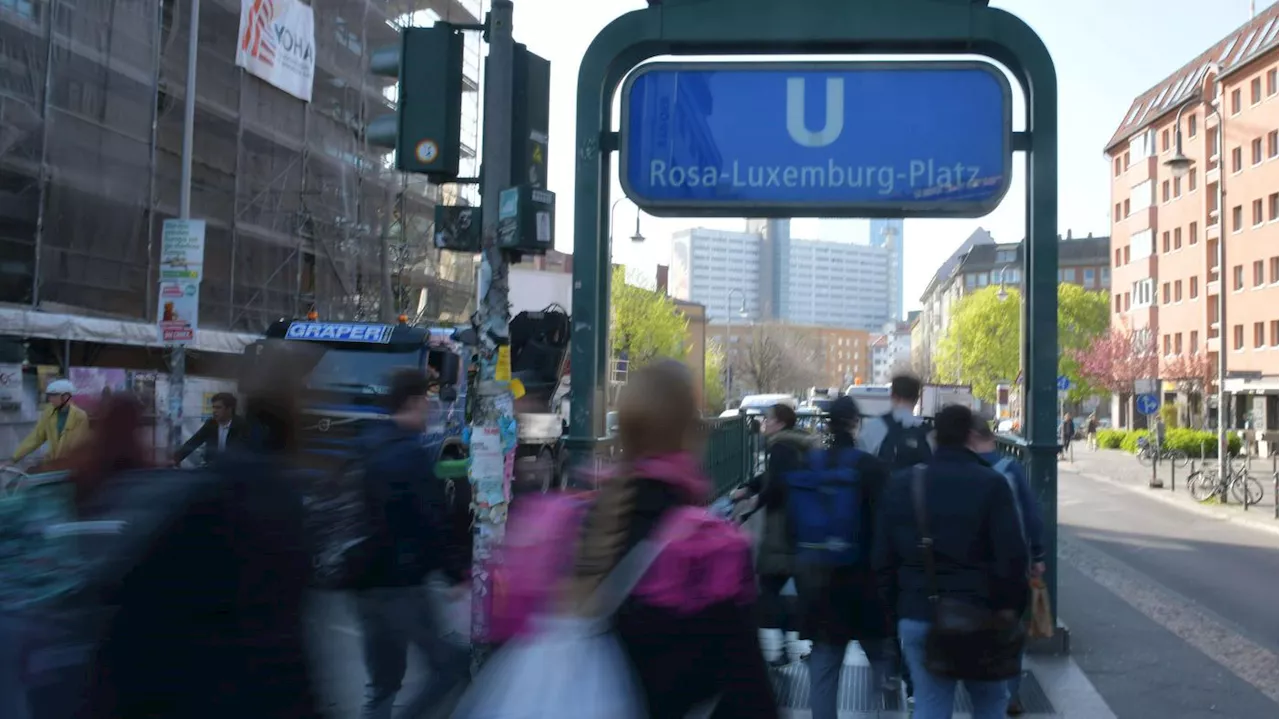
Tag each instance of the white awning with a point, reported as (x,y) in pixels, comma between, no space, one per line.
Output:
(77,328)
(1265,385)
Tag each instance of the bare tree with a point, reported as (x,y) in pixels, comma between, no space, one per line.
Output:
(777,359)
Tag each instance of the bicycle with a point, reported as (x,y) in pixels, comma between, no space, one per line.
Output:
(1148,453)
(1240,485)
(12,479)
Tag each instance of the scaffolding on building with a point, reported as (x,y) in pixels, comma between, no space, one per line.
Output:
(299,209)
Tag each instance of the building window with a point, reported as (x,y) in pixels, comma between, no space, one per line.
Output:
(1271,84)
(1236,104)
(1273,206)
(1128,301)
(1164,140)
(1257,213)
(1193,233)
(1118,169)
(1126,254)
(1168,345)
(1164,242)
(1177,238)
(1166,291)
(1213,146)
(1275,333)
(1194,341)
(1126,158)
(1255,150)
(1164,191)
(1237,278)
(1237,333)
(1106,276)
(1090,278)
(1177,187)
(1177,292)
(1237,218)
(1259,335)
(1258,279)
(1117,302)
(1177,344)
(1273,144)
(1237,159)
(1126,207)
(1191,126)
(1255,91)
(1193,287)
(1117,214)
(1273,270)
(1191,180)
(1117,257)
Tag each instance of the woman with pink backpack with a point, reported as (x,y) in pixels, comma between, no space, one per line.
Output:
(644,558)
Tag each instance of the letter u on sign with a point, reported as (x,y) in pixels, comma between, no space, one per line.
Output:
(834,123)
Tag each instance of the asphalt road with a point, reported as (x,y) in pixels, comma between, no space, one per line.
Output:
(1171,613)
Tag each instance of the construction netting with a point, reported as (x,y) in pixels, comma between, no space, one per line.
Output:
(301,213)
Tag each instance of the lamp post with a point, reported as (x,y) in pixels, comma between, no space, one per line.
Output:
(637,237)
(728,320)
(1179,164)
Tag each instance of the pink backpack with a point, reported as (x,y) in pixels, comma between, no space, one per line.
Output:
(706,561)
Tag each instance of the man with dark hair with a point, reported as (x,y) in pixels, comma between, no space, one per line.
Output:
(774,557)
(898,437)
(410,543)
(222,431)
(979,556)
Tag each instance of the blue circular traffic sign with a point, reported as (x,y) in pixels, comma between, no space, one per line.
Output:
(1064,383)
(1147,404)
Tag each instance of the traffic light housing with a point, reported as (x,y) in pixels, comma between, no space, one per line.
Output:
(426,129)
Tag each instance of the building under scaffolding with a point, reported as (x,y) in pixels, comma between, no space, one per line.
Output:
(300,210)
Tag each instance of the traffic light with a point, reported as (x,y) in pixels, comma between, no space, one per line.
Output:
(426,129)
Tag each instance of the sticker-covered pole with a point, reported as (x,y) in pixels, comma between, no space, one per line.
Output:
(492,433)
(178,354)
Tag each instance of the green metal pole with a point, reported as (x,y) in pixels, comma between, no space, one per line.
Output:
(1040,342)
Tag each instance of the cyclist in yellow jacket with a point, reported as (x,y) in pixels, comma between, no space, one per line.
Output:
(62,424)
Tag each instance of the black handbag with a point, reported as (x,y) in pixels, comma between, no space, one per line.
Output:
(966,641)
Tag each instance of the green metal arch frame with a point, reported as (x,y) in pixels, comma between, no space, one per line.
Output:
(813,27)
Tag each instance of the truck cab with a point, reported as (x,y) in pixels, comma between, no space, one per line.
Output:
(344,380)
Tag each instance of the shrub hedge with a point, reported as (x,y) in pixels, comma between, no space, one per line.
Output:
(1190,441)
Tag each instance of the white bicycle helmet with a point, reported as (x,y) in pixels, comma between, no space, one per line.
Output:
(60,386)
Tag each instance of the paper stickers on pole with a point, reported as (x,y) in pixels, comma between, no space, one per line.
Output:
(178,313)
(182,251)
(277,42)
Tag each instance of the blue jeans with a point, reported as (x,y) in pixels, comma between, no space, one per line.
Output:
(936,696)
(390,620)
(1015,683)
(824,676)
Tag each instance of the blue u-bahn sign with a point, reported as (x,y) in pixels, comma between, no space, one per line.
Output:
(867,139)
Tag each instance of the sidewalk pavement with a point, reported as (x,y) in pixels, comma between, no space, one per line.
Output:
(1123,469)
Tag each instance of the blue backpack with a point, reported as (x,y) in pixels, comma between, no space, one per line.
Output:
(824,505)
(904,447)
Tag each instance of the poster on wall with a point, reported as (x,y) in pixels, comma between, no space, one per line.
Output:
(10,387)
(94,384)
(277,43)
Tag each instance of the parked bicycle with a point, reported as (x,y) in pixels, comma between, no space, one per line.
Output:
(1239,485)
(1147,453)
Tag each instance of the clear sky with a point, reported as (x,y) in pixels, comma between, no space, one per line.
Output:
(1107,52)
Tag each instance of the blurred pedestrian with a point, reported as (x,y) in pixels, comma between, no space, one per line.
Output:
(209,621)
(949,547)
(412,540)
(61,425)
(832,497)
(687,625)
(1066,433)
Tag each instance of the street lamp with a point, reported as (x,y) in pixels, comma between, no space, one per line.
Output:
(637,237)
(1003,294)
(1179,164)
(728,320)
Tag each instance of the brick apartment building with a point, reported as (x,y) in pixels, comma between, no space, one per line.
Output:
(1166,224)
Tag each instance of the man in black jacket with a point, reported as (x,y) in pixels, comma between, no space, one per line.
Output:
(980,556)
(412,541)
(222,431)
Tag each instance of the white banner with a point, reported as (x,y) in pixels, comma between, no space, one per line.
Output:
(277,43)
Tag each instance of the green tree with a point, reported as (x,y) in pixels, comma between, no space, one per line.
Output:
(713,378)
(645,324)
(982,345)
